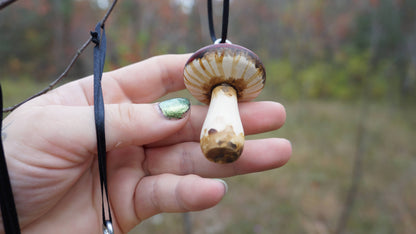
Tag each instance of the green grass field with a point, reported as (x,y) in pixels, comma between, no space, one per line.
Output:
(308,194)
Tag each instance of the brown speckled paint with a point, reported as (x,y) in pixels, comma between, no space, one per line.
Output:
(222,146)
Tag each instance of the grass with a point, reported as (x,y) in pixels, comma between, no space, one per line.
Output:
(308,194)
(17,90)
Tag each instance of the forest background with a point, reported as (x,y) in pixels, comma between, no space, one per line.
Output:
(344,69)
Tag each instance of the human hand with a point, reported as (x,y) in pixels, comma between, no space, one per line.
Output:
(154,163)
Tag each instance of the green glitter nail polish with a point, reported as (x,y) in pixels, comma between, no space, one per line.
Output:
(175,108)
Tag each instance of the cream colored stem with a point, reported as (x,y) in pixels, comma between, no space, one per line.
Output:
(222,135)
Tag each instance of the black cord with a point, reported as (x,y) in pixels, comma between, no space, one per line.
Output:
(225,16)
(99,38)
(211,21)
(225,12)
(8,207)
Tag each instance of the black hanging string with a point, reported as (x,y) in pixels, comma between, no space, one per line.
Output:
(225,13)
(99,38)
(8,207)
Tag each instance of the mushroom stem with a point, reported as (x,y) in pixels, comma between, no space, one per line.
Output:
(222,135)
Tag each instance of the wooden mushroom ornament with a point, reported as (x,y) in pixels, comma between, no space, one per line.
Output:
(221,75)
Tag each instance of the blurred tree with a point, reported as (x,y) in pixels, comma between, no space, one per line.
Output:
(61,19)
(25,36)
(319,39)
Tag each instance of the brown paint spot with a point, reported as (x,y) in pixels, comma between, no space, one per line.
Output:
(212,131)
(222,146)
(232,145)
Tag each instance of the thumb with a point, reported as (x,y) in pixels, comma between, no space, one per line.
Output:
(140,124)
(72,129)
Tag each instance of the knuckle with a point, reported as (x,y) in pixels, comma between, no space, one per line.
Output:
(126,115)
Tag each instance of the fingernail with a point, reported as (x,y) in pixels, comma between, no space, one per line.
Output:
(224,183)
(175,108)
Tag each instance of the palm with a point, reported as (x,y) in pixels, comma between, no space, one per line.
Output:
(149,158)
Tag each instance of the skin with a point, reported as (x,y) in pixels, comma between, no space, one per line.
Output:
(154,163)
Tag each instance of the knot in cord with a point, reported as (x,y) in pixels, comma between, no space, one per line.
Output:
(95,38)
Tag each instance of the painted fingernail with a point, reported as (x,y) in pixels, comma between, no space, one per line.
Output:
(224,183)
(175,108)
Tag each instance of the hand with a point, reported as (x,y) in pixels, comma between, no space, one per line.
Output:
(154,163)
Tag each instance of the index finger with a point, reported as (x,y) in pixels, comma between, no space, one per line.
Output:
(141,82)
(148,80)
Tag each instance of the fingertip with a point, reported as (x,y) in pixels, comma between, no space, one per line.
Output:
(176,108)
(258,117)
(274,153)
(203,193)
(282,151)
(278,113)
(223,183)
(283,113)
(285,147)
(172,193)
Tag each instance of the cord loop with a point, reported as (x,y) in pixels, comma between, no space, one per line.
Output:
(99,38)
(225,13)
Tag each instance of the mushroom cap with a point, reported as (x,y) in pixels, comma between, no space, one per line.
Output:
(223,63)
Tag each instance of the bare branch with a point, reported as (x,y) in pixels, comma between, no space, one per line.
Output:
(108,12)
(51,85)
(5,3)
(68,68)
